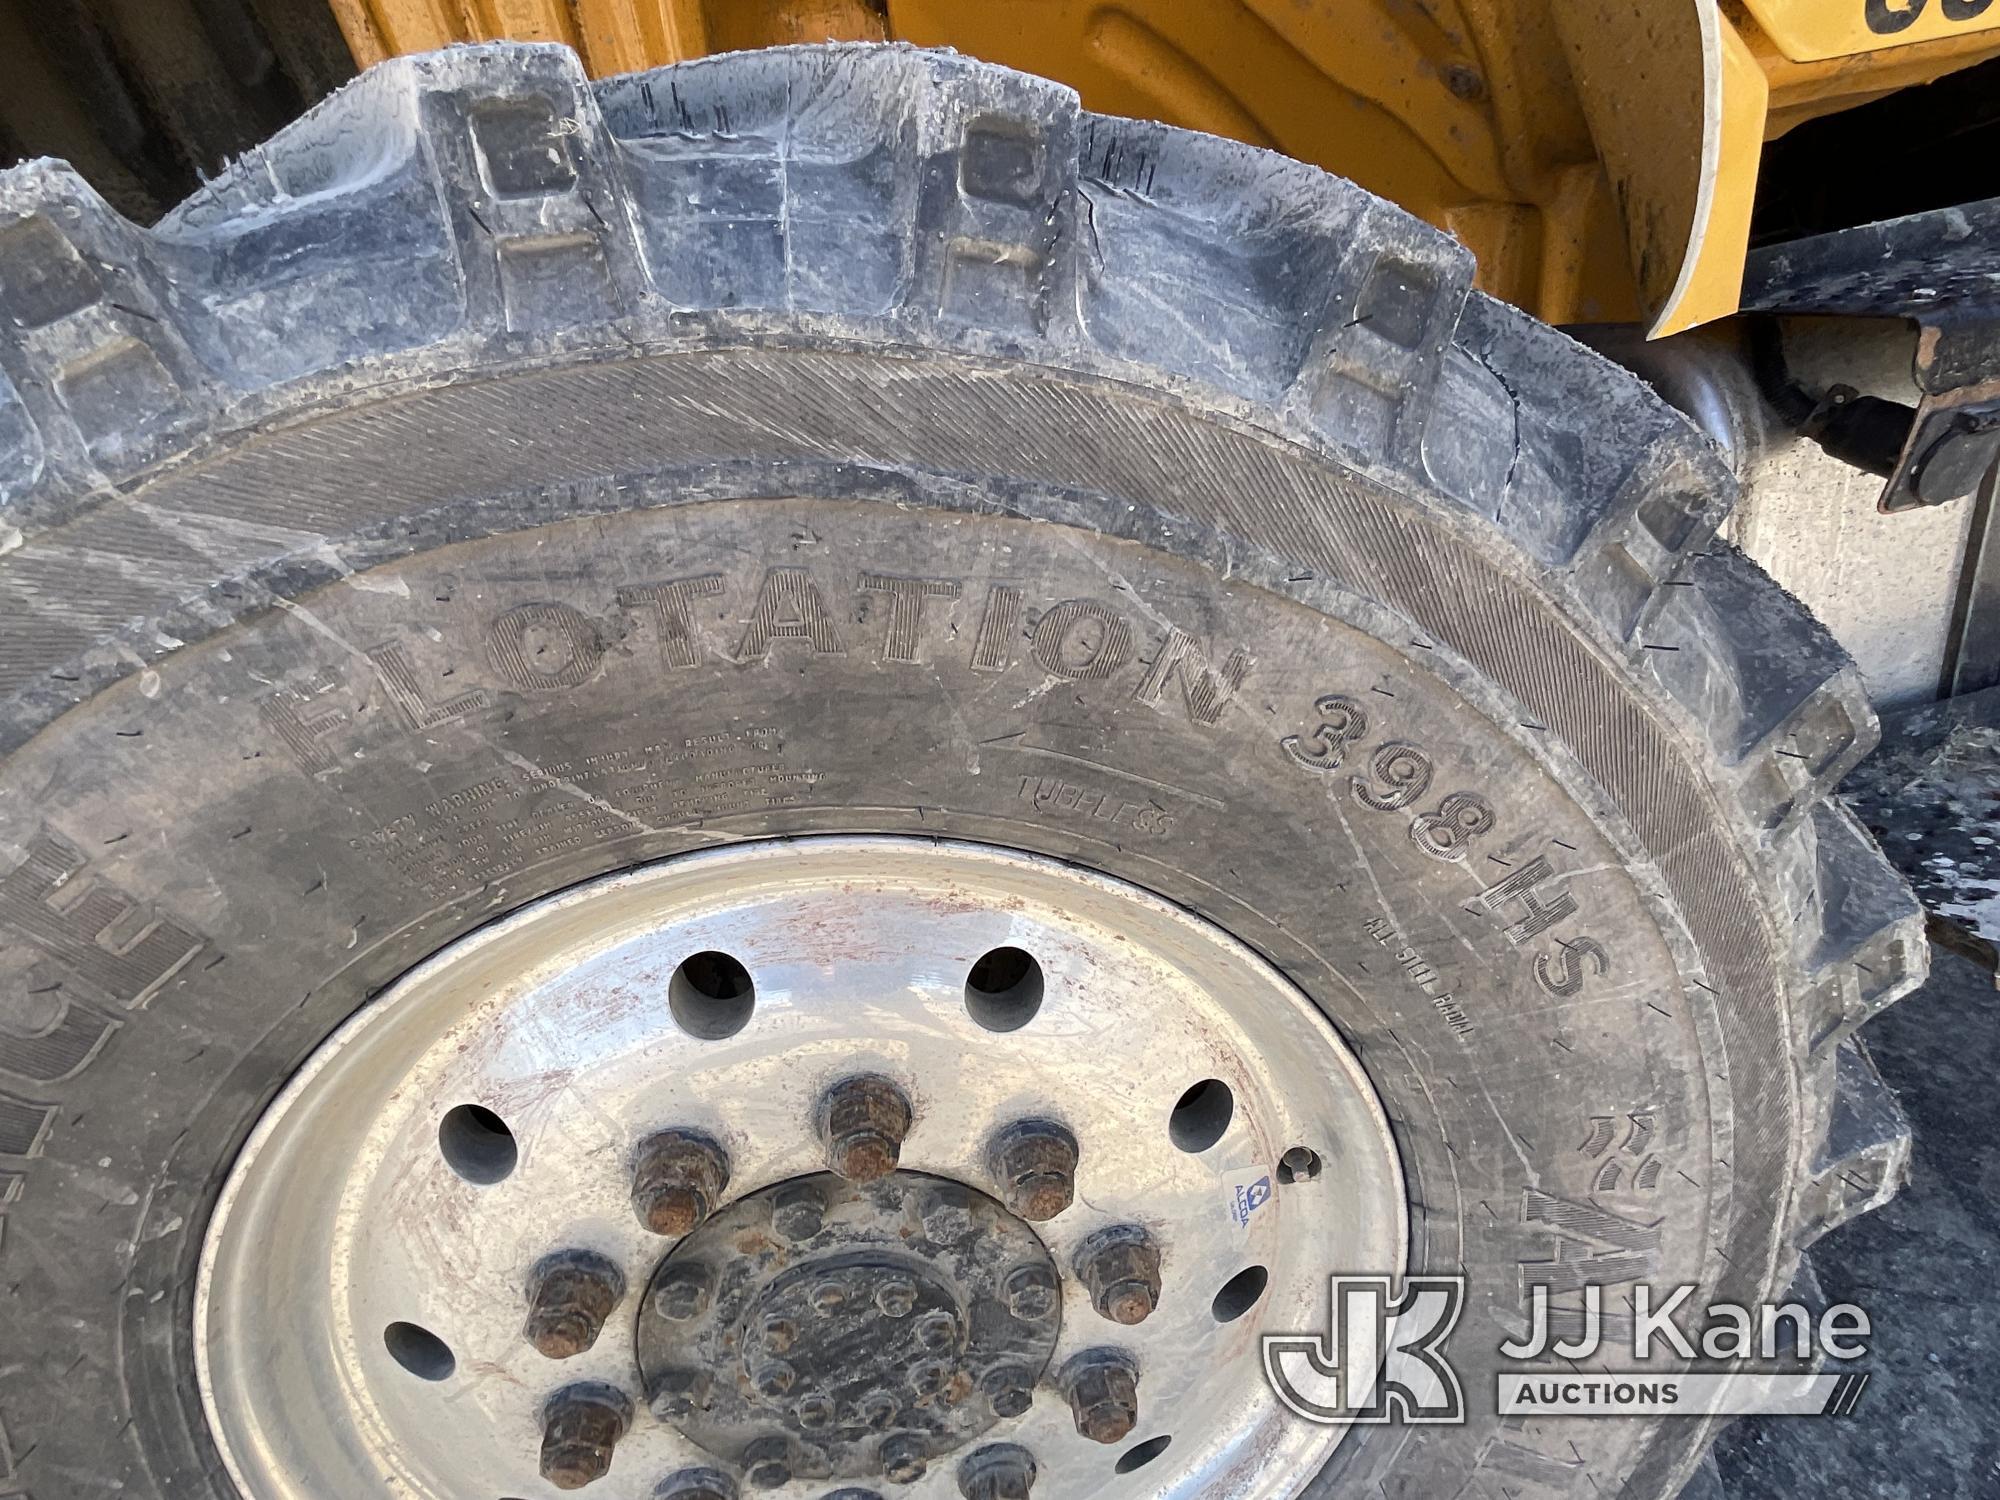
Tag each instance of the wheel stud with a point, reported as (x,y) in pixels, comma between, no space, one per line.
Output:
(677,1181)
(1103,1392)
(580,1427)
(862,1122)
(904,1458)
(1121,1266)
(1034,1161)
(569,1297)
(1002,1472)
(696,1484)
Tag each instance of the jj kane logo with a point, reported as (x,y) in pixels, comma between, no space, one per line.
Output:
(1383,1357)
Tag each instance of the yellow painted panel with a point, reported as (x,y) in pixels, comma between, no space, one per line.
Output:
(1711,282)
(1815,30)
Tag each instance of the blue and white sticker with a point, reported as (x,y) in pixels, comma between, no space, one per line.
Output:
(1249,1191)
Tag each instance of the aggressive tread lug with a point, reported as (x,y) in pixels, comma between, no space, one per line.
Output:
(1865,1158)
(96,359)
(1784,707)
(1864,947)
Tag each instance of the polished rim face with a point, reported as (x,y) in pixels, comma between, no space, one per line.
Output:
(856,1166)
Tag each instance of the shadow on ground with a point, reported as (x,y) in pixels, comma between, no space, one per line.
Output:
(1926,1268)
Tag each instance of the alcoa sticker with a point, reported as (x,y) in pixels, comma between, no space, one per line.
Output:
(1248,1191)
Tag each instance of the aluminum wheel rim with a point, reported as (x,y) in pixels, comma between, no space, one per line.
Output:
(345,1217)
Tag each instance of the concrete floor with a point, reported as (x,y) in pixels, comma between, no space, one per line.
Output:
(1926,1268)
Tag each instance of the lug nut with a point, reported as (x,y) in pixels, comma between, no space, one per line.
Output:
(696,1484)
(580,1427)
(904,1458)
(1034,1161)
(683,1292)
(1010,1390)
(937,1331)
(863,1122)
(677,1181)
(929,1378)
(569,1297)
(1002,1472)
(779,1335)
(1103,1391)
(799,1212)
(775,1379)
(947,1217)
(896,1298)
(767,1463)
(878,1410)
(1121,1266)
(1032,1294)
(814,1412)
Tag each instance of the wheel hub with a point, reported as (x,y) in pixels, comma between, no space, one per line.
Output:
(912,1168)
(883,1313)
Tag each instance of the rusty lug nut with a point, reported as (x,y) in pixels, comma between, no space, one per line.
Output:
(682,1292)
(1034,1161)
(1001,1472)
(1032,1294)
(569,1297)
(580,1427)
(677,1180)
(767,1463)
(1103,1391)
(799,1212)
(1010,1390)
(696,1484)
(862,1122)
(1121,1266)
(904,1458)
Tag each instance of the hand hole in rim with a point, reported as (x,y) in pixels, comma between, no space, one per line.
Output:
(1004,989)
(1300,1164)
(477,1144)
(419,1351)
(1139,1457)
(1202,1116)
(711,996)
(1241,1293)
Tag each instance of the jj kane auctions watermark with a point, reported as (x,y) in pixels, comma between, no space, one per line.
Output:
(1383,1358)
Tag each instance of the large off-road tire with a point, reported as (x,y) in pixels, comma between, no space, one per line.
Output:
(499,480)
